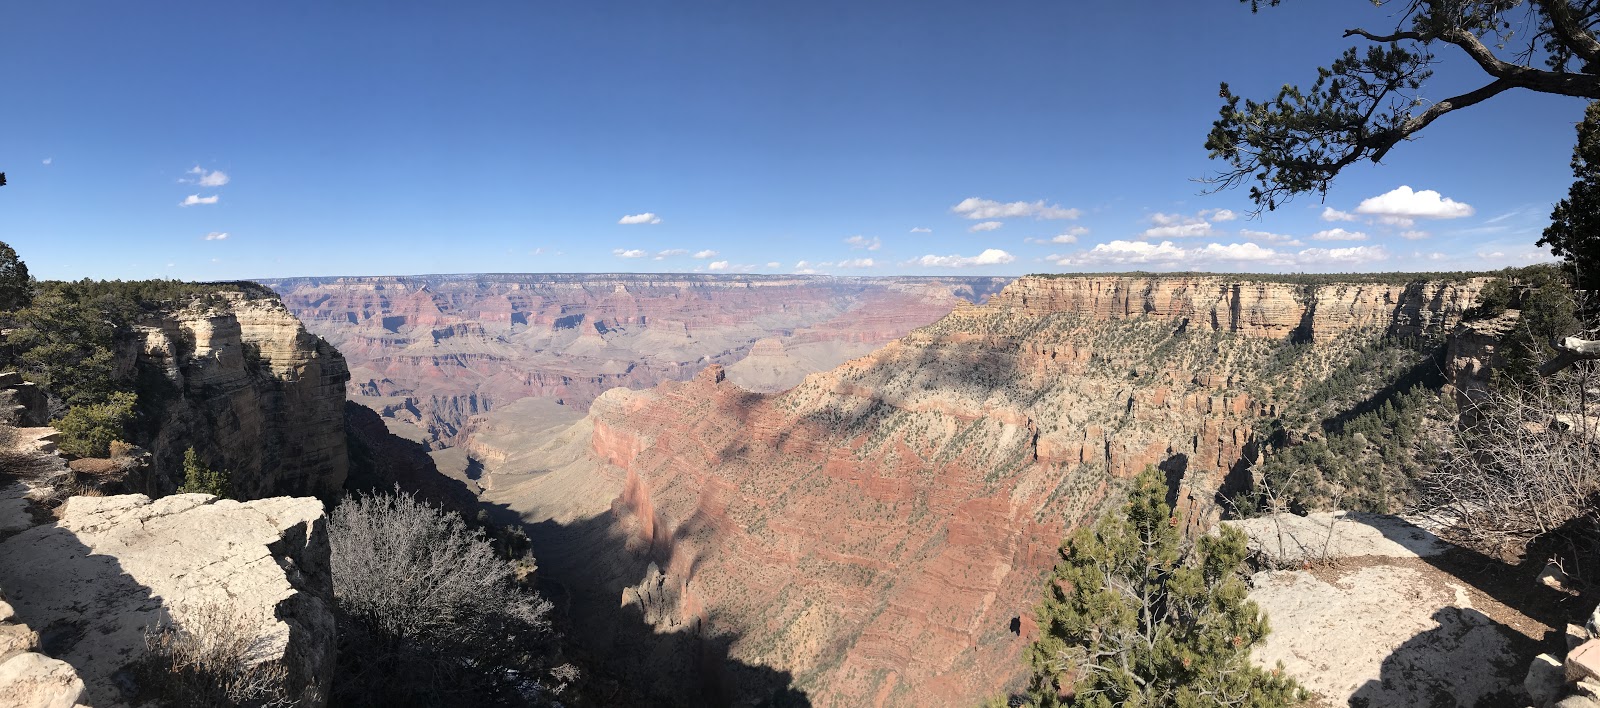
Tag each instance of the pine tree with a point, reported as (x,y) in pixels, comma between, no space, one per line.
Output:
(199,479)
(1135,615)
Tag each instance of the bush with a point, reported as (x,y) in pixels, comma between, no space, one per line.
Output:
(199,479)
(215,657)
(429,614)
(1135,615)
(88,430)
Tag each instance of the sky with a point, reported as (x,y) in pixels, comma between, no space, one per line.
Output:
(225,140)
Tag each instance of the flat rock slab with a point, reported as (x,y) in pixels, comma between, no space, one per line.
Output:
(1291,540)
(92,584)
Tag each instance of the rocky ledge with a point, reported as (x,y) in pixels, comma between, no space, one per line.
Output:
(88,589)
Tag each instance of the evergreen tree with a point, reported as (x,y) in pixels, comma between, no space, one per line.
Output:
(1135,615)
(16,287)
(199,479)
(1574,230)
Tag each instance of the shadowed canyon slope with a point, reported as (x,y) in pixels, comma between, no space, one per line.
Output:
(879,532)
(434,351)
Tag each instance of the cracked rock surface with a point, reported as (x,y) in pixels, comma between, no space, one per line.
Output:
(112,567)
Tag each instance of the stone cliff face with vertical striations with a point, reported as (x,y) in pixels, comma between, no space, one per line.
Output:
(879,533)
(239,379)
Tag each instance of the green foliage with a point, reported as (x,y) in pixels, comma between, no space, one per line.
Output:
(1372,99)
(16,287)
(88,430)
(1134,615)
(199,479)
(1493,301)
(1574,230)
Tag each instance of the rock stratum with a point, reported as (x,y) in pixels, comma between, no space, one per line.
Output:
(238,378)
(877,534)
(432,352)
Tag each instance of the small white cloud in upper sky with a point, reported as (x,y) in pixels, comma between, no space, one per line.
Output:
(986,226)
(628,253)
(1218,214)
(669,253)
(975,208)
(214,178)
(708,253)
(774,264)
(1413,234)
(645,218)
(1403,204)
(194,199)
(871,244)
(1332,214)
(1337,234)
(921,230)
(1177,226)
(49,160)
(217,236)
(718,265)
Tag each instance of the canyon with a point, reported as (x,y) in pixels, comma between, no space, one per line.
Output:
(876,533)
(430,353)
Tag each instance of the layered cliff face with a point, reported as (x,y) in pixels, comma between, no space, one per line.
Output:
(434,351)
(241,380)
(879,532)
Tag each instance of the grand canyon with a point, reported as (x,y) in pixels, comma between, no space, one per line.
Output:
(872,533)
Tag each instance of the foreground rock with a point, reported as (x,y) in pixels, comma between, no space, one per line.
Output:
(92,585)
(1375,617)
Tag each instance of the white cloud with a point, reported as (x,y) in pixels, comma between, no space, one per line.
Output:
(774,264)
(992,256)
(49,160)
(1216,215)
(1120,251)
(217,236)
(975,208)
(986,226)
(1178,226)
(215,178)
(921,230)
(1270,237)
(629,253)
(645,218)
(1346,256)
(194,199)
(857,263)
(718,265)
(1337,234)
(1413,235)
(1332,214)
(708,253)
(669,253)
(1402,204)
(537,251)
(871,244)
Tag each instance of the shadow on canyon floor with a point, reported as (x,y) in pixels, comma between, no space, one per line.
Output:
(584,568)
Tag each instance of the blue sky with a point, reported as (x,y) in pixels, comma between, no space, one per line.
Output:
(851,138)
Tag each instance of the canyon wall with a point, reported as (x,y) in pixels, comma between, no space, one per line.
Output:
(431,352)
(240,380)
(877,534)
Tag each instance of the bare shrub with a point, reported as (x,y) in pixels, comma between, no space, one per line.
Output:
(214,657)
(429,613)
(1526,461)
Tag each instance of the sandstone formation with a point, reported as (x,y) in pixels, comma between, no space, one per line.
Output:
(240,380)
(90,586)
(434,351)
(877,534)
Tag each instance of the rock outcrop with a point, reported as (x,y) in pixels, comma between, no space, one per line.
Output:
(879,531)
(114,568)
(239,379)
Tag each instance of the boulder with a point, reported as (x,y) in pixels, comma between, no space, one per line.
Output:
(113,568)
(38,681)
(1546,680)
(1583,663)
